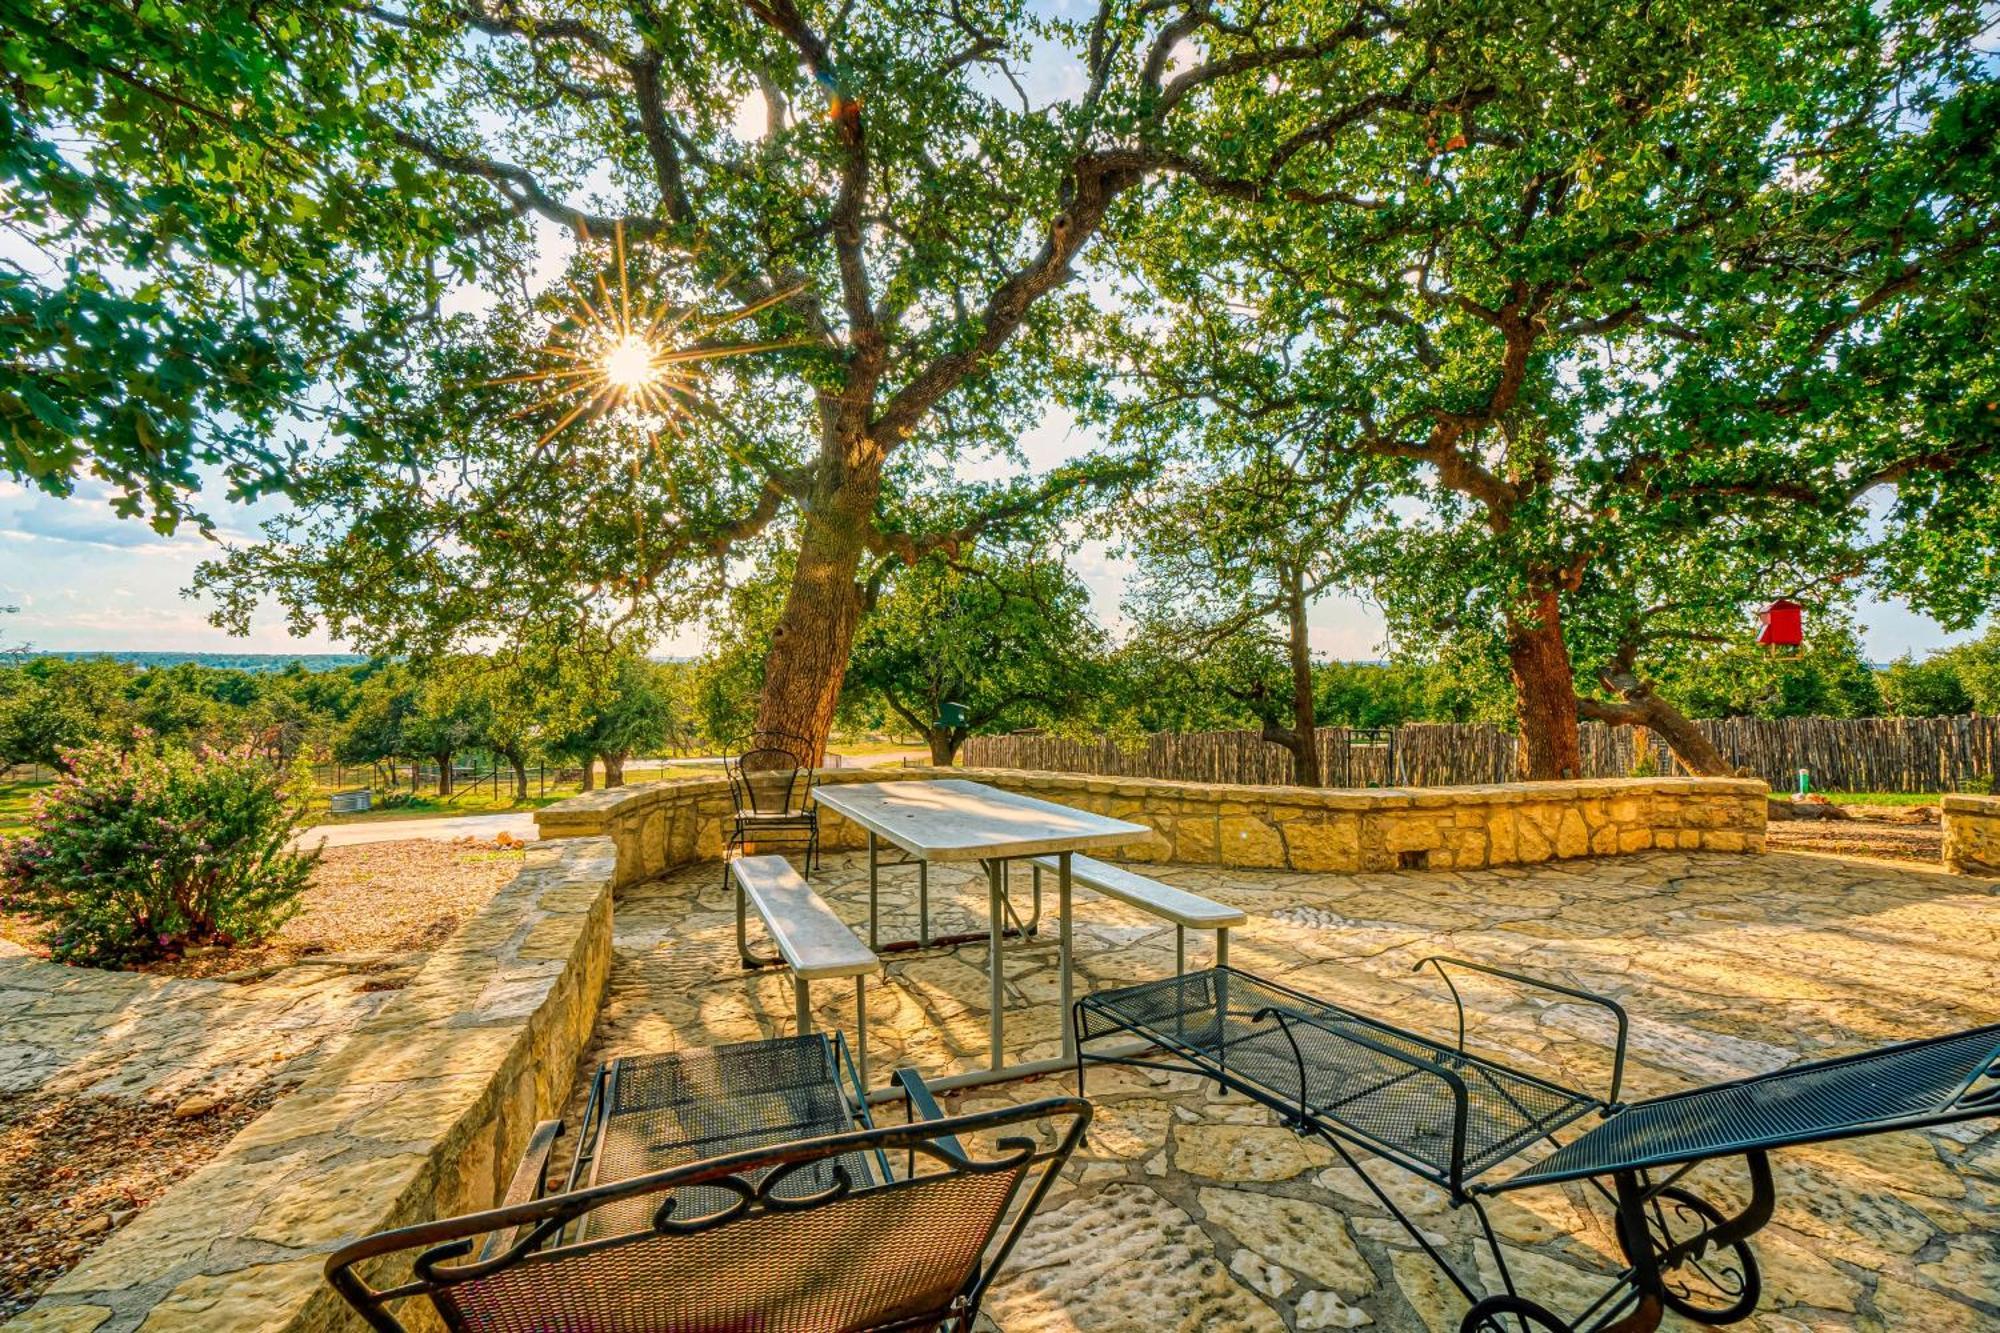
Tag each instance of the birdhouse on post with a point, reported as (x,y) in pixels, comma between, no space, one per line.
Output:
(952,716)
(1781,624)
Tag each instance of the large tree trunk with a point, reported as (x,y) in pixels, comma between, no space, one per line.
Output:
(1544,691)
(520,778)
(944,743)
(444,773)
(589,774)
(1305,729)
(809,647)
(1640,706)
(614,770)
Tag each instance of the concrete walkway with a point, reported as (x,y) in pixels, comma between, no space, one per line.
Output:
(449,828)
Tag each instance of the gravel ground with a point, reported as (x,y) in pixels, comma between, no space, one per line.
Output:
(75,1169)
(385,900)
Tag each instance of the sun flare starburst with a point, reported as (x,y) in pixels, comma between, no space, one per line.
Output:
(613,352)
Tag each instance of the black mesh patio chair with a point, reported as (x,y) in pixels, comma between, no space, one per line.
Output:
(762,1207)
(771,785)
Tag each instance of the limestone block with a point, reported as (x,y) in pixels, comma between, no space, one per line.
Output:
(1572,836)
(1531,843)
(1248,841)
(1412,834)
(1329,844)
(1195,841)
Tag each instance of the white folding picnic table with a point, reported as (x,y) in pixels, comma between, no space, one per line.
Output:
(953,820)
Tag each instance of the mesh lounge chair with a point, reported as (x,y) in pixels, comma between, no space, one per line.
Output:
(1467,1123)
(771,782)
(773,1212)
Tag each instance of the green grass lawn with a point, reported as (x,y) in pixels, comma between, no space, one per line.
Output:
(14,805)
(1882,797)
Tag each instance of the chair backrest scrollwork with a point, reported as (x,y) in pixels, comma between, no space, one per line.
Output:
(915,1252)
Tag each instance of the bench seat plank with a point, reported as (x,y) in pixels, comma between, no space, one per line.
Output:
(814,942)
(1148,895)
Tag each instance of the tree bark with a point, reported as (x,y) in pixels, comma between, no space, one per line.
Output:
(444,773)
(589,774)
(1544,691)
(1305,729)
(520,778)
(810,646)
(614,770)
(944,743)
(1641,706)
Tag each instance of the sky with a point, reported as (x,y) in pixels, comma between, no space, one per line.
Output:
(84,579)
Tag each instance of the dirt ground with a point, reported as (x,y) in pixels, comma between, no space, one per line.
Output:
(380,902)
(1920,843)
(75,1169)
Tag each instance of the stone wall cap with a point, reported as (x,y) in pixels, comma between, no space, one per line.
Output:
(1970,804)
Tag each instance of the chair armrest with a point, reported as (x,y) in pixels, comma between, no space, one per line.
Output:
(923,1106)
(1440,962)
(1454,1085)
(526,1186)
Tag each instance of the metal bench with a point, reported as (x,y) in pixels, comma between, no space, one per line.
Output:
(814,943)
(1186,910)
(1455,1118)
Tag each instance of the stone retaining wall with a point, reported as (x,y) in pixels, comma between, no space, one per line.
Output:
(421,1113)
(662,825)
(1972,834)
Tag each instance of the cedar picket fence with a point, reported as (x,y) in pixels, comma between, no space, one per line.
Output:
(1920,754)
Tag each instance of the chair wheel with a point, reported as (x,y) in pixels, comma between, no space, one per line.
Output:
(1510,1314)
(1709,1287)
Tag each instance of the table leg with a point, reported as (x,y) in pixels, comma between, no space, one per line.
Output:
(1063,948)
(996,930)
(1180,950)
(923,904)
(861,1031)
(874,934)
(802,999)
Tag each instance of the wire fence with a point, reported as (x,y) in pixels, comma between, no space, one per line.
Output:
(1916,755)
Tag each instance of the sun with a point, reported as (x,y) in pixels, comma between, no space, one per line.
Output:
(611,352)
(629,363)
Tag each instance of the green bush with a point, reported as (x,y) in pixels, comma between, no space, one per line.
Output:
(138,856)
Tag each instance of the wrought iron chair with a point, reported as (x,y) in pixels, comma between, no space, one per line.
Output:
(771,784)
(798,1236)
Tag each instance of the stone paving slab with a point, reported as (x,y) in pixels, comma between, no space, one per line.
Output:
(73,1030)
(1189,1210)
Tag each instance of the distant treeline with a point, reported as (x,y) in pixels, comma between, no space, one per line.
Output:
(252,663)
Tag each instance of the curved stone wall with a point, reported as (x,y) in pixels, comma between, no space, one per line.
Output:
(659,826)
(422,1113)
(1972,834)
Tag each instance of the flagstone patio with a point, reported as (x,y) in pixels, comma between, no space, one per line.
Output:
(1191,1210)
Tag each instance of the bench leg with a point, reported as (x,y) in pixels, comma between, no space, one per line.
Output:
(1180,950)
(1222,947)
(874,885)
(923,904)
(742,926)
(802,998)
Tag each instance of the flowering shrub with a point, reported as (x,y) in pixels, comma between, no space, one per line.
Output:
(139,856)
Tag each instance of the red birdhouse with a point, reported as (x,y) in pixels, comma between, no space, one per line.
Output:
(1781,624)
